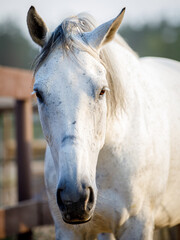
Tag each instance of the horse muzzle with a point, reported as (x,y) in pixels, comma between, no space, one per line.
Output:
(76,206)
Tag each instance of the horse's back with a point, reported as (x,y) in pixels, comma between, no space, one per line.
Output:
(166,73)
(167,69)
(169,63)
(168,76)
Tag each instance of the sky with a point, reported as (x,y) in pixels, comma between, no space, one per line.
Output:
(138,12)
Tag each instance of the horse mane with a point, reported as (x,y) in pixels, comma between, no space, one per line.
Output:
(63,37)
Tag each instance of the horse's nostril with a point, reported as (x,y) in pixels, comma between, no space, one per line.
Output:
(82,202)
(59,199)
(91,199)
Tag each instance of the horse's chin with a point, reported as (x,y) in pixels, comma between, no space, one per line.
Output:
(77,221)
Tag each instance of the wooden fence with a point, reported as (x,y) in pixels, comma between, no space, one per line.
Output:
(19,219)
(22,217)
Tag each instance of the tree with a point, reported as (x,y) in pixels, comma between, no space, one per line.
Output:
(15,49)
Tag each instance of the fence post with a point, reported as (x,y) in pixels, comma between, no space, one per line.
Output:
(24,152)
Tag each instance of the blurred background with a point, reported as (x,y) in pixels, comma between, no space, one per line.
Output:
(152,28)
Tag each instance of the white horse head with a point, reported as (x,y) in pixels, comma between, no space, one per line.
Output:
(72,91)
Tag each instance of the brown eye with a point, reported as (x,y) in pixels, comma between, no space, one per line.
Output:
(102,92)
(39,96)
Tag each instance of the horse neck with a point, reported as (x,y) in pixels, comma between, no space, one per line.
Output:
(126,74)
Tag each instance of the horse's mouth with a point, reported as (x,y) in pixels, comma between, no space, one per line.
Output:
(77,212)
(76,221)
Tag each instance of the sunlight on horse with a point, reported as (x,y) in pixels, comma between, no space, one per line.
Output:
(112,124)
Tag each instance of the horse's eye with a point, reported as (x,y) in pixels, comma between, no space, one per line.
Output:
(39,96)
(102,92)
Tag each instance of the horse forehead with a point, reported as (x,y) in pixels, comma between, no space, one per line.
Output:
(79,65)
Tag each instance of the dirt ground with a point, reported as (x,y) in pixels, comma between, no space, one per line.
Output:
(44,233)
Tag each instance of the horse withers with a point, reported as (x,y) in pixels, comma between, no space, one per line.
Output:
(112,124)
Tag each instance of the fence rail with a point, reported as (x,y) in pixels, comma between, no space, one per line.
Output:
(23,217)
(15,83)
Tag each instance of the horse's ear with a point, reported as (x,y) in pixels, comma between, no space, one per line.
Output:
(105,32)
(37,28)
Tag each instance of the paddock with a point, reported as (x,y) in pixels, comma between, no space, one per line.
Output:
(29,212)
